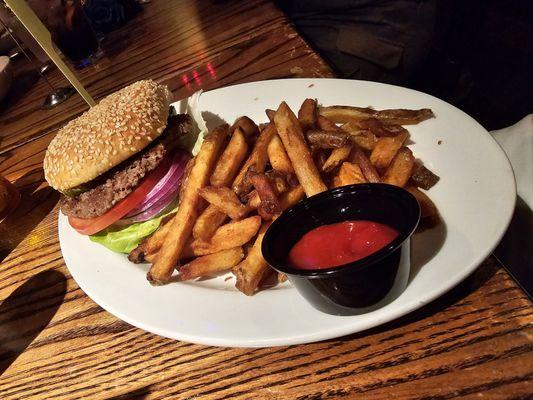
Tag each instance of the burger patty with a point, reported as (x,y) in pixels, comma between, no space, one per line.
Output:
(122,180)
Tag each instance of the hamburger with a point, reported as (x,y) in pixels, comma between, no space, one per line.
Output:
(119,164)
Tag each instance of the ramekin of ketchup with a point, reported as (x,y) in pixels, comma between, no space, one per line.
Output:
(346,250)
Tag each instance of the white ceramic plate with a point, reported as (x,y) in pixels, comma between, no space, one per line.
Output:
(475,196)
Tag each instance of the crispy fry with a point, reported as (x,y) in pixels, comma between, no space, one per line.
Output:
(327,125)
(404,117)
(230,160)
(385,150)
(253,200)
(380,129)
(181,225)
(400,168)
(251,270)
(341,114)
(278,156)
(361,137)
(232,234)
(208,222)
(424,178)
(278,180)
(281,277)
(427,207)
(211,264)
(292,137)
(366,140)
(307,114)
(225,200)
(326,139)
(270,114)
(257,159)
(348,174)
(270,205)
(320,156)
(336,157)
(369,171)
(291,197)
(246,125)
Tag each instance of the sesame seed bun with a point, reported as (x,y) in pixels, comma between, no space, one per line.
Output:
(121,125)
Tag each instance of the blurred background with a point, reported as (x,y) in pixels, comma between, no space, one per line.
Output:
(476,54)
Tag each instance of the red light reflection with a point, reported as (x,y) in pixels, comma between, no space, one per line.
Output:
(211,71)
(197,78)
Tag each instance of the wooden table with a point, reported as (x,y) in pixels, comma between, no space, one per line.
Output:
(56,343)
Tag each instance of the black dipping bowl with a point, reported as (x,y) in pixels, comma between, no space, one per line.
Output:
(350,288)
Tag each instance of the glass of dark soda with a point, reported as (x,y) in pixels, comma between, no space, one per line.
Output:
(70,28)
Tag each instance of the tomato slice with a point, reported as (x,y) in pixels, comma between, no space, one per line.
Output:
(90,226)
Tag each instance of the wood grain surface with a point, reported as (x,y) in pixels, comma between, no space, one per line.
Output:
(56,343)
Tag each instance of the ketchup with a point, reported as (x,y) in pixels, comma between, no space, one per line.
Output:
(341,243)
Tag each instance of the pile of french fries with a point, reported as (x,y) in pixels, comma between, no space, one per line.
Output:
(245,175)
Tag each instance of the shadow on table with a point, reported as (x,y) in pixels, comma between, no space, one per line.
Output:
(35,204)
(469,285)
(137,394)
(27,311)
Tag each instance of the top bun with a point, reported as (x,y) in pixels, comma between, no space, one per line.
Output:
(121,125)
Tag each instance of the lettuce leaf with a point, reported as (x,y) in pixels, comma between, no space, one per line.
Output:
(125,239)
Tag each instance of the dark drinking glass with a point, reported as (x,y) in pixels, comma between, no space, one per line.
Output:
(70,28)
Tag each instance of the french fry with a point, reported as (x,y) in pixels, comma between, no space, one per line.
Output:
(404,117)
(278,180)
(230,160)
(336,157)
(385,150)
(211,264)
(257,160)
(269,205)
(281,277)
(251,270)
(232,234)
(208,222)
(225,200)
(361,137)
(427,207)
(252,200)
(291,135)
(400,168)
(278,156)
(246,125)
(307,114)
(320,156)
(291,197)
(348,174)
(380,129)
(181,225)
(341,114)
(326,139)
(270,114)
(366,140)
(424,178)
(369,171)
(327,125)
